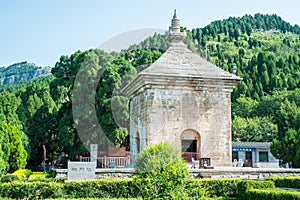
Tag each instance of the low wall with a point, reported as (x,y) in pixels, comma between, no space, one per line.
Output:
(103,173)
(244,172)
(218,172)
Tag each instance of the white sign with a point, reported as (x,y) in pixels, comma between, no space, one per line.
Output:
(81,171)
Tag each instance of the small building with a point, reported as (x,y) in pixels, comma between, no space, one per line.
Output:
(185,100)
(253,154)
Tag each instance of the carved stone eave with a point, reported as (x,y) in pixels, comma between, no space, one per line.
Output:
(143,82)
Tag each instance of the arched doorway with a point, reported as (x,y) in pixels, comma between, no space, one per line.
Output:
(190,145)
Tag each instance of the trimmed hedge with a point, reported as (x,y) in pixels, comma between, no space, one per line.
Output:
(143,188)
(44,177)
(92,189)
(214,187)
(98,199)
(22,174)
(244,186)
(26,190)
(288,181)
(274,193)
(19,175)
(9,178)
(114,188)
(107,188)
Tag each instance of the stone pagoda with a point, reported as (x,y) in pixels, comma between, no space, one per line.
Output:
(185,100)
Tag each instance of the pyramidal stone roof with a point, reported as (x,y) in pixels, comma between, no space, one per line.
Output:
(179,63)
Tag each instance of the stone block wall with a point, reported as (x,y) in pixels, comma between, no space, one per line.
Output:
(163,114)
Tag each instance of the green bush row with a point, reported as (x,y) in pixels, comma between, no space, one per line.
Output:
(274,193)
(97,199)
(287,181)
(255,190)
(28,176)
(115,188)
(91,189)
(132,188)
(214,187)
(244,186)
(21,174)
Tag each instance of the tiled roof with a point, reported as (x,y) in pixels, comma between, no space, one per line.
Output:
(251,144)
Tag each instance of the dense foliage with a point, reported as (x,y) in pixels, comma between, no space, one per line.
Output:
(286,181)
(13,141)
(41,185)
(45,187)
(264,190)
(161,171)
(264,48)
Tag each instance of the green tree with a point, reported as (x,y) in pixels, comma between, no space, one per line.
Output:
(162,171)
(33,103)
(257,129)
(42,130)
(4,149)
(109,99)
(9,104)
(18,154)
(244,107)
(288,148)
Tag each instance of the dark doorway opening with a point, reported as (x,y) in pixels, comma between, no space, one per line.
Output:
(189,150)
(248,161)
(189,145)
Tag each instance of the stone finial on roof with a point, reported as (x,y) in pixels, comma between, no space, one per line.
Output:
(175,25)
(174,30)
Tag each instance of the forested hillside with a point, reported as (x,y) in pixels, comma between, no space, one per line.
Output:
(22,71)
(265,105)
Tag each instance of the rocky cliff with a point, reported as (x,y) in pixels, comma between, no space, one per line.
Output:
(21,72)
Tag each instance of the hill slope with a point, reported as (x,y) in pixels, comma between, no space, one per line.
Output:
(22,71)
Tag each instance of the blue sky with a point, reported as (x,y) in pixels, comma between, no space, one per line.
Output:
(41,31)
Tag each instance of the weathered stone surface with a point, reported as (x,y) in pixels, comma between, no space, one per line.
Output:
(163,115)
(180,93)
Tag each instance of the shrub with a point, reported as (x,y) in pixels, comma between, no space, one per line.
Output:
(274,193)
(39,176)
(97,199)
(288,181)
(59,180)
(214,187)
(161,172)
(25,190)
(244,186)
(146,188)
(104,188)
(45,176)
(9,178)
(22,174)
